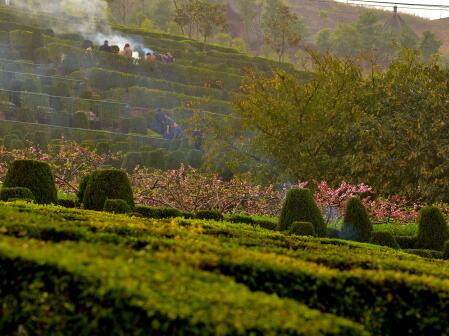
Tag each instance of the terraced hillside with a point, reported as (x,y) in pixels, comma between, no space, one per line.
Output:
(76,271)
(51,84)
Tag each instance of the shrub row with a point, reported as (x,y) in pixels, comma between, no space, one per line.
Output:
(378,299)
(85,295)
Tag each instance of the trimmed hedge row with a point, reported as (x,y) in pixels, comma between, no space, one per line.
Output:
(89,291)
(386,301)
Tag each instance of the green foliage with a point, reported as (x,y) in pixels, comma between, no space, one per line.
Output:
(195,158)
(21,41)
(7,194)
(241,219)
(155,159)
(103,148)
(34,175)
(82,187)
(41,56)
(384,238)
(107,184)
(426,253)
(80,120)
(131,161)
(26,115)
(302,229)
(433,229)
(299,206)
(429,45)
(446,250)
(159,213)
(41,140)
(117,206)
(356,223)
(209,215)
(175,159)
(67,203)
(406,242)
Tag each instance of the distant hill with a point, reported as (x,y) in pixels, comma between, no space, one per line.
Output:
(344,13)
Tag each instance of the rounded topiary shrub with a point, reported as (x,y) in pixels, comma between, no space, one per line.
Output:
(302,229)
(131,161)
(432,229)
(103,148)
(446,250)
(67,203)
(7,194)
(299,206)
(384,238)
(107,184)
(34,175)
(356,224)
(241,219)
(209,215)
(117,206)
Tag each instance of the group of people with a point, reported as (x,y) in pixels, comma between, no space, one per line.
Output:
(166,126)
(165,57)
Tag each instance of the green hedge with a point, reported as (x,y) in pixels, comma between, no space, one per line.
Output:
(7,194)
(89,291)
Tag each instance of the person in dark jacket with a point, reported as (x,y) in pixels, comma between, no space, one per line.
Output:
(105,47)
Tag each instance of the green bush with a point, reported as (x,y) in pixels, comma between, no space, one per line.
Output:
(26,115)
(356,223)
(406,242)
(41,56)
(7,194)
(138,125)
(41,140)
(446,250)
(175,159)
(266,224)
(131,161)
(21,41)
(209,215)
(67,203)
(156,159)
(195,158)
(34,175)
(241,219)
(160,213)
(384,238)
(432,229)
(426,253)
(302,229)
(80,120)
(299,206)
(102,148)
(117,206)
(107,184)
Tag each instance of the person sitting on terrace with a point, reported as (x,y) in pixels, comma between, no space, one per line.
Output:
(169,58)
(151,58)
(127,51)
(105,47)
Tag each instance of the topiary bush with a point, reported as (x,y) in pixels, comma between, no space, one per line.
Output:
(384,238)
(131,161)
(80,120)
(175,159)
(156,159)
(195,158)
(356,224)
(34,175)
(406,242)
(117,206)
(241,219)
(107,184)
(432,229)
(302,229)
(299,206)
(446,250)
(209,215)
(103,148)
(7,194)
(82,187)
(160,213)
(67,203)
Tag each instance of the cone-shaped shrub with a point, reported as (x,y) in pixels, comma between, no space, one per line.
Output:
(34,175)
(82,187)
(302,229)
(432,229)
(299,206)
(107,184)
(117,206)
(7,194)
(384,238)
(356,224)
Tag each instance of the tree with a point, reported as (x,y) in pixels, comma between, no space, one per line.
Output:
(200,18)
(299,129)
(373,39)
(162,14)
(429,45)
(323,40)
(249,10)
(282,28)
(346,41)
